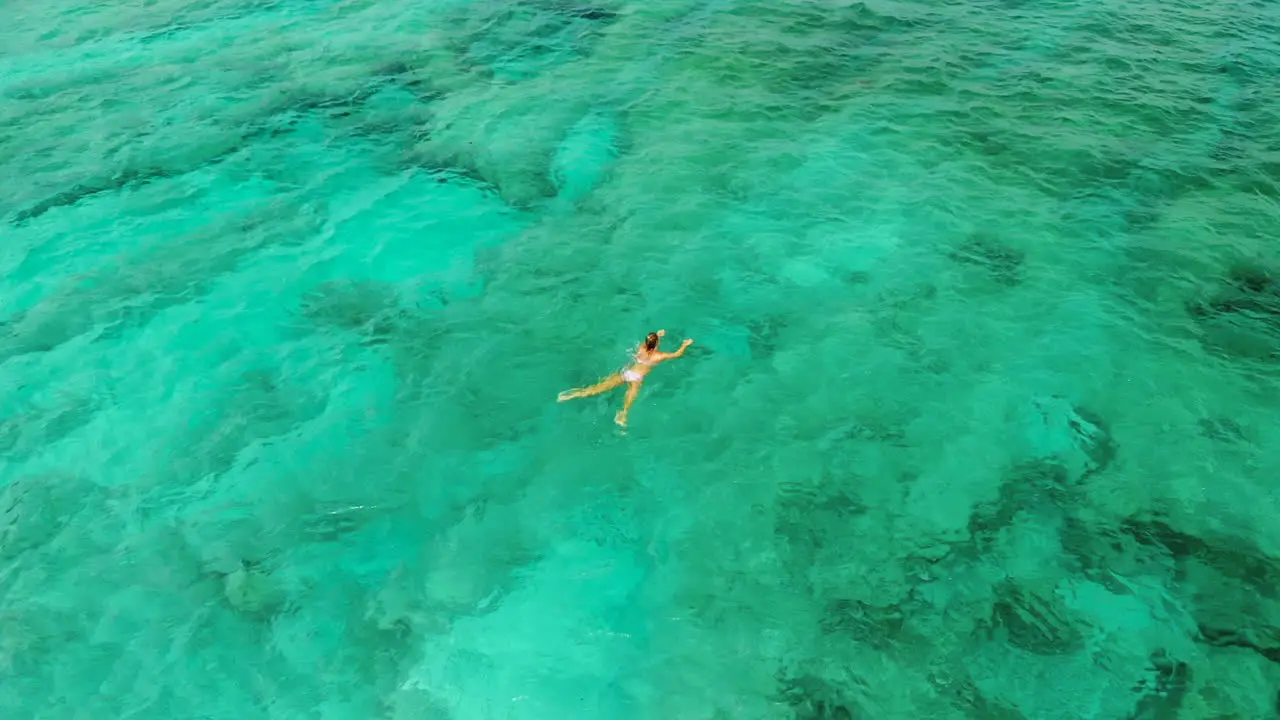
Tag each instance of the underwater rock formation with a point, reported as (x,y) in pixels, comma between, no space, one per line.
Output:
(1233,587)
(1034,621)
(1071,435)
(369,308)
(877,627)
(511,151)
(170,272)
(1163,695)
(254,407)
(1002,262)
(764,331)
(1030,487)
(812,698)
(1223,429)
(584,155)
(127,178)
(596,12)
(1228,683)
(390,98)
(1214,592)
(27,433)
(34,509)
(412,703)
(1241,317)
(967,697)
(521,40)
(249,590)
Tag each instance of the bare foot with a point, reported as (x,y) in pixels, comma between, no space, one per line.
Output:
(620,419)
(566,395)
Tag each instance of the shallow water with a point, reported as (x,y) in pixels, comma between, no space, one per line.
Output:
(979,421)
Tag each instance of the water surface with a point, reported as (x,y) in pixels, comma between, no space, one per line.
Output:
(980,421)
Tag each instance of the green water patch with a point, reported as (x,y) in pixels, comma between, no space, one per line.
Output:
(961,434)
(813,61)
(451,674)
(109,301)
(1241,316)
(32,426)
(530,156)
(380,88)
(260,555)
(1213,293)
(517,41)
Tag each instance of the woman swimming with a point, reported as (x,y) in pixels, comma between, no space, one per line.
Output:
(646,357)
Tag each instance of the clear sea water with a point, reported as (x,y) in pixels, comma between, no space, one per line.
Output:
(980,421)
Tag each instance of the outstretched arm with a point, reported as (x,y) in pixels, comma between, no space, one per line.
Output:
(668,356)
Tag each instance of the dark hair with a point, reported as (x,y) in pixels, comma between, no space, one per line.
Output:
(651,342)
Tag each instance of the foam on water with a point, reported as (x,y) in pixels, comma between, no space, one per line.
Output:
(979,421)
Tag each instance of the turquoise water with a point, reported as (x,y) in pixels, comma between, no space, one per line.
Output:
(979,421)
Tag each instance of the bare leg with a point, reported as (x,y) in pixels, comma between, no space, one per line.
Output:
(604,385)
(632,391)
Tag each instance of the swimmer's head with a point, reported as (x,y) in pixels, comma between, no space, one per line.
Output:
(651,342)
